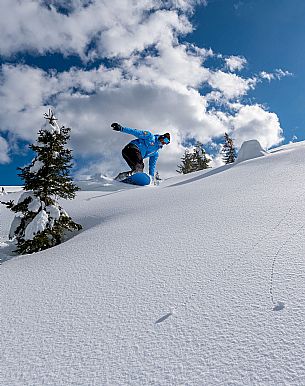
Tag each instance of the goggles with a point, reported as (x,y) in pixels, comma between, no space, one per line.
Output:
(164,140)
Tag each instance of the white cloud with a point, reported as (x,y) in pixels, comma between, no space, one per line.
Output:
(117,28)
(282,73)
(161,26)
(231,85)
(185,5)
(253,122)
(24,90)
(154,84)
(277,74)
(178,67)
(234,63)
(4,157)
(267,75)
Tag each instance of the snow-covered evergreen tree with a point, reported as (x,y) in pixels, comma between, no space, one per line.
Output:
(200,160)
(40,222)
(194,161)
(228,150)
(186,165)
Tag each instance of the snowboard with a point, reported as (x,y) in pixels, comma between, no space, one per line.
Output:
(140,179)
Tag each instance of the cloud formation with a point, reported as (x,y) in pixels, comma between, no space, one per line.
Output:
(4,157)
(235,63)
(277,74)
(256,123)
(90,29)
(151,80)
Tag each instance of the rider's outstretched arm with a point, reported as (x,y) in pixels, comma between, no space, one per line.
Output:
(142,134)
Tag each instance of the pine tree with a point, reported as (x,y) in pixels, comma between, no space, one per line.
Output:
(200,160)
(40,222)
(186,165)
(194,161)
(228,150)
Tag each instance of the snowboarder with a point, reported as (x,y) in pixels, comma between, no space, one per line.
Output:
(146,145)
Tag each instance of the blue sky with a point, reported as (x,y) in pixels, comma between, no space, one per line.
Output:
(194,68)
(269,34)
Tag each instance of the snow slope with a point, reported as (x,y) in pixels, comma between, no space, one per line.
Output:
(10,189)
(172,285)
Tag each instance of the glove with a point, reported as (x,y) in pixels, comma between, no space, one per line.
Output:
(116,126)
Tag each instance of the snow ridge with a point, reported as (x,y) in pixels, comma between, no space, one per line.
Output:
(198,281)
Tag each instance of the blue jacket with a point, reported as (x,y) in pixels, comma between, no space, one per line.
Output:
(148,145)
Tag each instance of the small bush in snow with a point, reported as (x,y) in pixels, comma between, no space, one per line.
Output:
(40,222)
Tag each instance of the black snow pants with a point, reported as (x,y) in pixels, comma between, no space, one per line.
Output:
(133,157)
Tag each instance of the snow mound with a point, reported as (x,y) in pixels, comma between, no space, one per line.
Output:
(249,150)
(36,226)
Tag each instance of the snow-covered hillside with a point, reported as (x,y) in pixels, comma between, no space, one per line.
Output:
(199,281)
